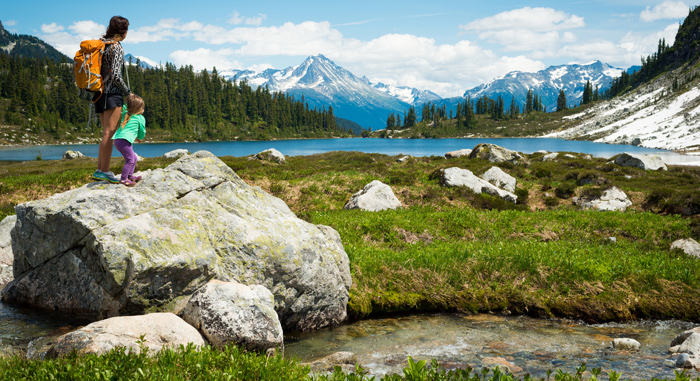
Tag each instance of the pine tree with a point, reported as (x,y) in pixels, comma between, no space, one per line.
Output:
(561,101)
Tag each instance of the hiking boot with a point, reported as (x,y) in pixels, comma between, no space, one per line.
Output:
(127,182)
(99,175)
(135,179)
(109,176)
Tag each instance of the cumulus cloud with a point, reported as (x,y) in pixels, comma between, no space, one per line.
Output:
(666,10)
(11,22)
(626,52)
(202,58)
(526,28)
(51,28)
(236,19)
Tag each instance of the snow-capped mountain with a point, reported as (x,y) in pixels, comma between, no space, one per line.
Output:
(406,94)
(143,62)
(547,84)
(323,83)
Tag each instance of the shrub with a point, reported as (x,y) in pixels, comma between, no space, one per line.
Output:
(523,195)
(551,201)
(565,190)
(541,173)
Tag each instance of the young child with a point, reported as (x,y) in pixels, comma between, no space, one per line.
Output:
(132,126)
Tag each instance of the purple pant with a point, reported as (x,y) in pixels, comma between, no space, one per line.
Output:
(124,147)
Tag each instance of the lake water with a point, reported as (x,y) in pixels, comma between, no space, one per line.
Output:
(415,147)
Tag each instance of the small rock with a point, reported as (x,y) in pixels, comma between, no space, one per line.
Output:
(458,177)
(681,360)
(497,154)
(626,344)
(458,153)
(70,154)
(158,330)
(688,245)
(404,158)
(174,154)
(612,199)
(612,239)
(230,312)
(691,345)
(6,255)
(550,157)
(327,363)
(569,156)
(502,364)
(374,197)
(678,340)
(497,177)
(271,155)
(646,162)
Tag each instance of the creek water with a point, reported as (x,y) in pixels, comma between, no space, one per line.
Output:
(531,345)
(382,345)
(415,147)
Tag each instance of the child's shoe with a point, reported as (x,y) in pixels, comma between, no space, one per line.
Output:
(127,182)
(135,179)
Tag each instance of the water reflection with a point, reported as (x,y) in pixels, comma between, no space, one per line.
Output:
(528,345)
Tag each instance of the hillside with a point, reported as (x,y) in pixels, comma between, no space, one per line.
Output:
(657,107)
(28,47)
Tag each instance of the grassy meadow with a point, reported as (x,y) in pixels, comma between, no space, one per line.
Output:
(449,249)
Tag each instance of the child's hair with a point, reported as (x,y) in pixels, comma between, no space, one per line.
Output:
(134,106)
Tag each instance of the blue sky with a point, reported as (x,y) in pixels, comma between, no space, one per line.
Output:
(443,46)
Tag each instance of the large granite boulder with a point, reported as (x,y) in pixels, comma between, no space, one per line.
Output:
(612,199)
(688,245)
(500,179)
(374,197)
(6,256)
(104,250)
(157,330)
(458,177)
(497,154)
(646,162)
(230,312)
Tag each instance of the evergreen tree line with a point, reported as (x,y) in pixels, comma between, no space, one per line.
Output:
(686,49)
(182,104)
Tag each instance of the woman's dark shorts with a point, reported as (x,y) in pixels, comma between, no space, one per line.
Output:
(107,102)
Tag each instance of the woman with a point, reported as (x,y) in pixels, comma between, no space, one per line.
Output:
(109,104)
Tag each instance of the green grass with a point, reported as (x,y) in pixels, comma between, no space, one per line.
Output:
(448,249)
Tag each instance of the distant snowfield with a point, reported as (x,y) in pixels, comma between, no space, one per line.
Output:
(652,117)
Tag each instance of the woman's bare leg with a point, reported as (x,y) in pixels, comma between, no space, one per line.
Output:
(109,119)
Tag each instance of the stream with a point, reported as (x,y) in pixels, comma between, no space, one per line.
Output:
(532,345)
(382,345)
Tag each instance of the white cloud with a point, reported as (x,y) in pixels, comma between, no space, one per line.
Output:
(666,10)
(11,22)
(626,52)
(236,19)
(526,28)
(202,58)
(51,28)
(87,29)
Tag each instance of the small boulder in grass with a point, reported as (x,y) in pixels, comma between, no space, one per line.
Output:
(70,155)
(175,154)
(271,155)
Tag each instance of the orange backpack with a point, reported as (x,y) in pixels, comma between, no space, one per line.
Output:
(87,65)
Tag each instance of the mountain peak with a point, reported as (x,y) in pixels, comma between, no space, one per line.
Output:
(1,27)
